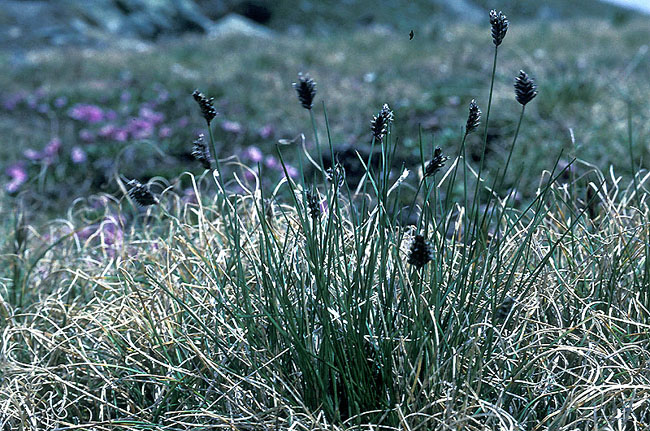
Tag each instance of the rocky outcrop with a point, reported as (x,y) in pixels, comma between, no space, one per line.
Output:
(62,22)
(140,18)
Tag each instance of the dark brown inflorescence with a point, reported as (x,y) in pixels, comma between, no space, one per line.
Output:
(207,108)
(437,163)
(474,118)
(421,252)
(380,122)
(201,152)
(336,174)
(499,23)
(306,89)
(141,194)
(525,88)
(504,308)
(313,205)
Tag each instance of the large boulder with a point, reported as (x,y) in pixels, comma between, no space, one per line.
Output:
(238,25)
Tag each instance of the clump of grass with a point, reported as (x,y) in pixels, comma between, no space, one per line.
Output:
(331,314)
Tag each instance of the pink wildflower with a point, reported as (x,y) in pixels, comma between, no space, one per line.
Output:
(266,132)
(11,102)
(291,171)
(152,116)
(140,128)
(32,154)
(60,102)
(52,148)
(272,162)
(165,132)
(86,135)
(254,154)
(121,135)
(231,126)
(18,176)
(78,155)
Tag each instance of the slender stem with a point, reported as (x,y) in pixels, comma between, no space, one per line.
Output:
(487,112)
(512,147)
(213,148)
(476,202)
(320,154)
(630,143)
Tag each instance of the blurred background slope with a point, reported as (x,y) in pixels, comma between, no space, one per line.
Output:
(59,22)
(94,88)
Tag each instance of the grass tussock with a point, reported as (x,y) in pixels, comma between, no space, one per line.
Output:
(242,320)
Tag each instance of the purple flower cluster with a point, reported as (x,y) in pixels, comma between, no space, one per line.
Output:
(48,155)
(87,113)
(96,124)
(108,126)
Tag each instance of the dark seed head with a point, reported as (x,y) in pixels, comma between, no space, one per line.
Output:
(313,204)
(20,232)
(525,88)
(336,174)
(421,252)
(437,163)
(141,194)
(201,152)
(592,202)
(504,308)
(474,118)
(269,211)
(207,108)
(306,89)
(499,23)
(380,122)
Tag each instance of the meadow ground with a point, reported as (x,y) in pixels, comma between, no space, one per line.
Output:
(265,293)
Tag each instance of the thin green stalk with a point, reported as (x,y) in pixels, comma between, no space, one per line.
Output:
(476,202)
(213,148)
(630,143)
(320,153)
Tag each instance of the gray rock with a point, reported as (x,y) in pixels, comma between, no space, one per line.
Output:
(238,25)
(141,18)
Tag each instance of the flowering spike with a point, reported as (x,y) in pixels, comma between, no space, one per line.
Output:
(141,194)
(525,88)
(437,163)
(336,174)
(474,118)
(201,152)
(380,122)
(499,23)
(207,108)
(504,308)
(313,205)
(306,89)
(420,253)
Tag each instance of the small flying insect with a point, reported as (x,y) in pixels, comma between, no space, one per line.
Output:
(411,34)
